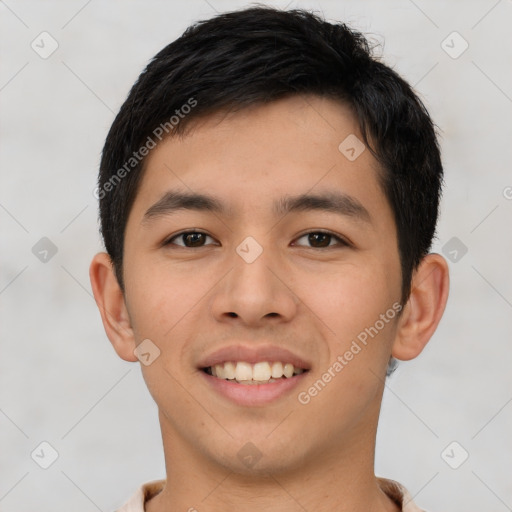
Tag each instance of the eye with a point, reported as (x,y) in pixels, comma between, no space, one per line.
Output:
(317,239)
(321,239)
(189,239)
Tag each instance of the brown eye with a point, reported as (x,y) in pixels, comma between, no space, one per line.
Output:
(321,239)
(189,239)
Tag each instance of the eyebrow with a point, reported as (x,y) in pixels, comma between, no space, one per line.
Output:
(335,202)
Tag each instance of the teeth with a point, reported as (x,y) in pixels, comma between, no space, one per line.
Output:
(246,373)
(255,382)
(229,370)
(288,370)
(219,371)
(243,371)
(261,371)
(277,370)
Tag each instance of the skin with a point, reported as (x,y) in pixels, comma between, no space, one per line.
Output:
(312,300)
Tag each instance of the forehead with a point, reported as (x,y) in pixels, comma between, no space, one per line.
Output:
(250,159)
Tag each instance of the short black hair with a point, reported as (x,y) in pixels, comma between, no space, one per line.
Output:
(259,55)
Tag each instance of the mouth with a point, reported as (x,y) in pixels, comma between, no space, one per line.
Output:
(253,385)
(253,375)
(245,373)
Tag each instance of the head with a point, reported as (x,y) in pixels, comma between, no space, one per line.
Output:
(254,107)
(258,56)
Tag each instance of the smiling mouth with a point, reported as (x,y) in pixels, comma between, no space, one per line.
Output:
(264,372)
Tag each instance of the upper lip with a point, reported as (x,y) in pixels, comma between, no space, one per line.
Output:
(253,354)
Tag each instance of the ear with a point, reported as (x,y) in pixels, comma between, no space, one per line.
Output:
(424,309)
(112,306)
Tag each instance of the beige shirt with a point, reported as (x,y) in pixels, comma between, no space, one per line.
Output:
(393,489)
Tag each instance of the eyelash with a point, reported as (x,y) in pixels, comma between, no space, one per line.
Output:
(341,241)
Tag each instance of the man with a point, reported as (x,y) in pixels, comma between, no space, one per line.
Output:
(268,197)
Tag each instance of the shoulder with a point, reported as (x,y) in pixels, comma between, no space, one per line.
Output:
(399,494)
(143,494)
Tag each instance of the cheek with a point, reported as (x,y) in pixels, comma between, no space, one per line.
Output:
(164,308)
(355,307)
(348,297)
(159,298)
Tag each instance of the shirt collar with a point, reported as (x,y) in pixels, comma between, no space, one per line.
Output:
(393,489)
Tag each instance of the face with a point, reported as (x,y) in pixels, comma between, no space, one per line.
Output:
(290,259)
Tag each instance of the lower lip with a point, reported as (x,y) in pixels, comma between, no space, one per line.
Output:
(253,394)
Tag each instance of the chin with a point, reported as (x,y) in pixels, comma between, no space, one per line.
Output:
(259,458)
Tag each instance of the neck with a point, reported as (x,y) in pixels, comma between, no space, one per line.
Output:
(340,478)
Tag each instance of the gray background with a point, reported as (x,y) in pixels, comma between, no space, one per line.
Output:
(61,382)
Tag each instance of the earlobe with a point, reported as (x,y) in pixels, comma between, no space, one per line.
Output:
(111,303)
(424,309)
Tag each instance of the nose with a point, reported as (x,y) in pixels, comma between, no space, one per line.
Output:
(255,292)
